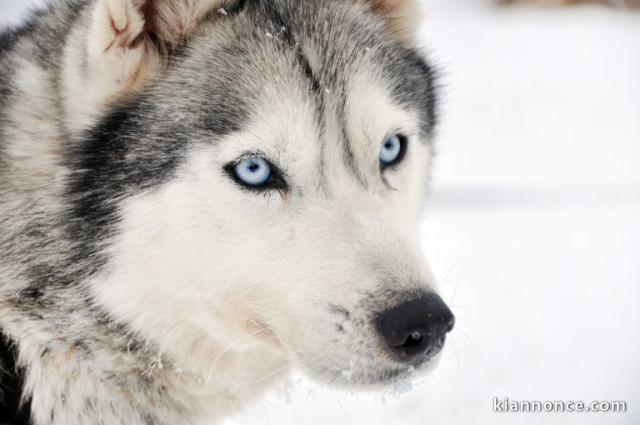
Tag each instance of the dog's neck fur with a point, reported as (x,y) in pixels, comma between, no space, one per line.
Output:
(119,379)
(64,357)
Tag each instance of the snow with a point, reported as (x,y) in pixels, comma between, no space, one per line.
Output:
(533,225)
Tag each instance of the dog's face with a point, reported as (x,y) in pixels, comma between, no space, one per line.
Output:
(268,186)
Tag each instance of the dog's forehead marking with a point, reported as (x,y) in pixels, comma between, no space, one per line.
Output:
(329,62)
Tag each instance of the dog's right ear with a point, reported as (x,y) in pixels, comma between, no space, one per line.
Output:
(126,38)
(403,16)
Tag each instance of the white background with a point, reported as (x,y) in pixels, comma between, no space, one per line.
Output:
(533,226)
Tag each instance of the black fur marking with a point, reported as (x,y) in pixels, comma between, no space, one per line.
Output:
(283,31)
(34,293)
(11,387)
(108,165)
(417,87)
(41,277)
(431,95)
(341,311)
(97,180)
(310,74)
(350,158)
(7,39)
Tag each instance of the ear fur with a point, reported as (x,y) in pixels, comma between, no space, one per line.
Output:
(126,40)
(172,20)
(403,16)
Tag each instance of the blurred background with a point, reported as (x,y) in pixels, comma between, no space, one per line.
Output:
(533,224)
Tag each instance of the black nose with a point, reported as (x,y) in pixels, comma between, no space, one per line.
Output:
(416,329)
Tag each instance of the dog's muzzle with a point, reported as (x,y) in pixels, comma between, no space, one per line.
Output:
(415,330)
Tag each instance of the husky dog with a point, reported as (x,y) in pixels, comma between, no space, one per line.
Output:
(198,195)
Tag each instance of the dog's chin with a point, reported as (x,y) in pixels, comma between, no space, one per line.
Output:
(374,377)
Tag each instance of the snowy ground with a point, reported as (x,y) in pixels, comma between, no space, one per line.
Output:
(533,227)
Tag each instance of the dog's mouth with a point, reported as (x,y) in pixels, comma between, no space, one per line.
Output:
(367,375)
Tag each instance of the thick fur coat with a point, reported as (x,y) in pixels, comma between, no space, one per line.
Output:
(139,282)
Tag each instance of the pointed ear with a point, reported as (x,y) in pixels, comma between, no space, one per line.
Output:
(403,16)
(126,39)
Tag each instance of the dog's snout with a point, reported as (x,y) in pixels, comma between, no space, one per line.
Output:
(416,329)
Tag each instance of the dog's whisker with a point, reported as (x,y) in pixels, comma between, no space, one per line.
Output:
(454,346)
(271,374)
(342,407)
(461,332)
(215,363)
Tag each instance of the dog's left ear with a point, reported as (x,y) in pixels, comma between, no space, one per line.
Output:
(124,46)
(127,37)
(403,16)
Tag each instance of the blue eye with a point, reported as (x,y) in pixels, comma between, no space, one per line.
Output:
(392,151)
(254,172)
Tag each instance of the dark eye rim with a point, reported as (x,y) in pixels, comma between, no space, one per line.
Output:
(404,145)
(276,180)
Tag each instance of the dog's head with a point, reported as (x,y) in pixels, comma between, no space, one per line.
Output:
(253,173)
